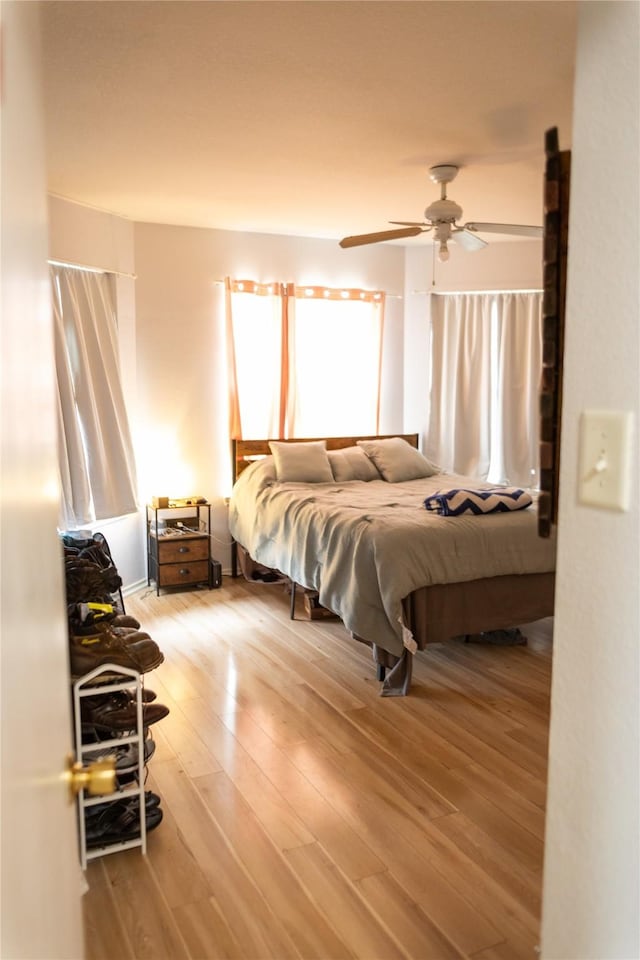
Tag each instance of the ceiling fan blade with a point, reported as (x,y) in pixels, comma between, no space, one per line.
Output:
(468,240)
(411,223)
(378,237)
(515,229)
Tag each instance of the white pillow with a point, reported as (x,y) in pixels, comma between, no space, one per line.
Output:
(352,463)
(301,462)
(397,460)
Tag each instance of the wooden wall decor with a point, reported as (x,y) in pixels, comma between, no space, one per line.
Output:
(555,245)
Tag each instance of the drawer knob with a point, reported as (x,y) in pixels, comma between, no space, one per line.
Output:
(184,572)
(183,549)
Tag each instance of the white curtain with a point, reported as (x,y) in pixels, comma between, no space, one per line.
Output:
(97,465)
(460,422)
(519,369)
(485,372)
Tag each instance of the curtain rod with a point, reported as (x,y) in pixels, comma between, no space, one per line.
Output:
(450,293)
(85,266)
(391,296)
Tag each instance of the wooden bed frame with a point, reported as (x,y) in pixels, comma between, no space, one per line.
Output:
(440,612)
(244,451)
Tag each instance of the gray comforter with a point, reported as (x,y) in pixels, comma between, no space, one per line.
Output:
(364,546)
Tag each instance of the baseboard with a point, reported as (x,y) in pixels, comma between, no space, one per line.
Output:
(133,587)
(139,584)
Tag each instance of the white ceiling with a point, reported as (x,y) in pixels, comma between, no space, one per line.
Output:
(305,117)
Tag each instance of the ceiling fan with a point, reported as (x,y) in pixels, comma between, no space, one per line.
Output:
(442,217)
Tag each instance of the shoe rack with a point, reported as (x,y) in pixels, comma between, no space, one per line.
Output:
(112,710)
(106,680)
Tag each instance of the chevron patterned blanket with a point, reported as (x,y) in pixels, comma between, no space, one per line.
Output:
(454,503)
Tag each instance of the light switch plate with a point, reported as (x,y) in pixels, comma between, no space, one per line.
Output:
(604,472)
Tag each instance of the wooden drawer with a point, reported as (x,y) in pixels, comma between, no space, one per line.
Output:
(179,550)
(187,571)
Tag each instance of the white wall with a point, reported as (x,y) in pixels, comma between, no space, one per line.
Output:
(40,876)
(93,238)
(182,428)
(592,863)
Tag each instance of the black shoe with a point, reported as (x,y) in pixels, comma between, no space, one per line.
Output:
(126,756)
(118,821)
(110,713)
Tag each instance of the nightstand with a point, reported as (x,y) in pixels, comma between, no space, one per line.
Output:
(179,546)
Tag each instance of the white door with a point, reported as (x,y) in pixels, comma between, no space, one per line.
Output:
(41,876)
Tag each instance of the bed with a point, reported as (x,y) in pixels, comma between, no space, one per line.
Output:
(357,532)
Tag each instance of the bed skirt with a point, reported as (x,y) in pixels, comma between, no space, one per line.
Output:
(438,613)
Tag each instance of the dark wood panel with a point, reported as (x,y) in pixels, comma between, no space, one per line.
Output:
(555,252)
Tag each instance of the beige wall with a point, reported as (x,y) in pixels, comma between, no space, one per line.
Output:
(592,864)
(88,237)
(93,238)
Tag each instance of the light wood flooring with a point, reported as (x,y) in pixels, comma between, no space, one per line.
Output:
(307,817)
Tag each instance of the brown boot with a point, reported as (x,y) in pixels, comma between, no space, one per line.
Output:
(125,620)
(110,713)
(87,653)
(127,634)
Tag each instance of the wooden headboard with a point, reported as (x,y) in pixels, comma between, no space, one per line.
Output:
(243,452)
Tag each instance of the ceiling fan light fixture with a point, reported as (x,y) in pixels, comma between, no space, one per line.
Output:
(443,211)
(443,253)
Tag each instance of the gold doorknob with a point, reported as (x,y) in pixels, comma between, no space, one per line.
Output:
(97,779)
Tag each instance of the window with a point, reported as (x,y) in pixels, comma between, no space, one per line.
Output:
(303,360)
(97,467)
